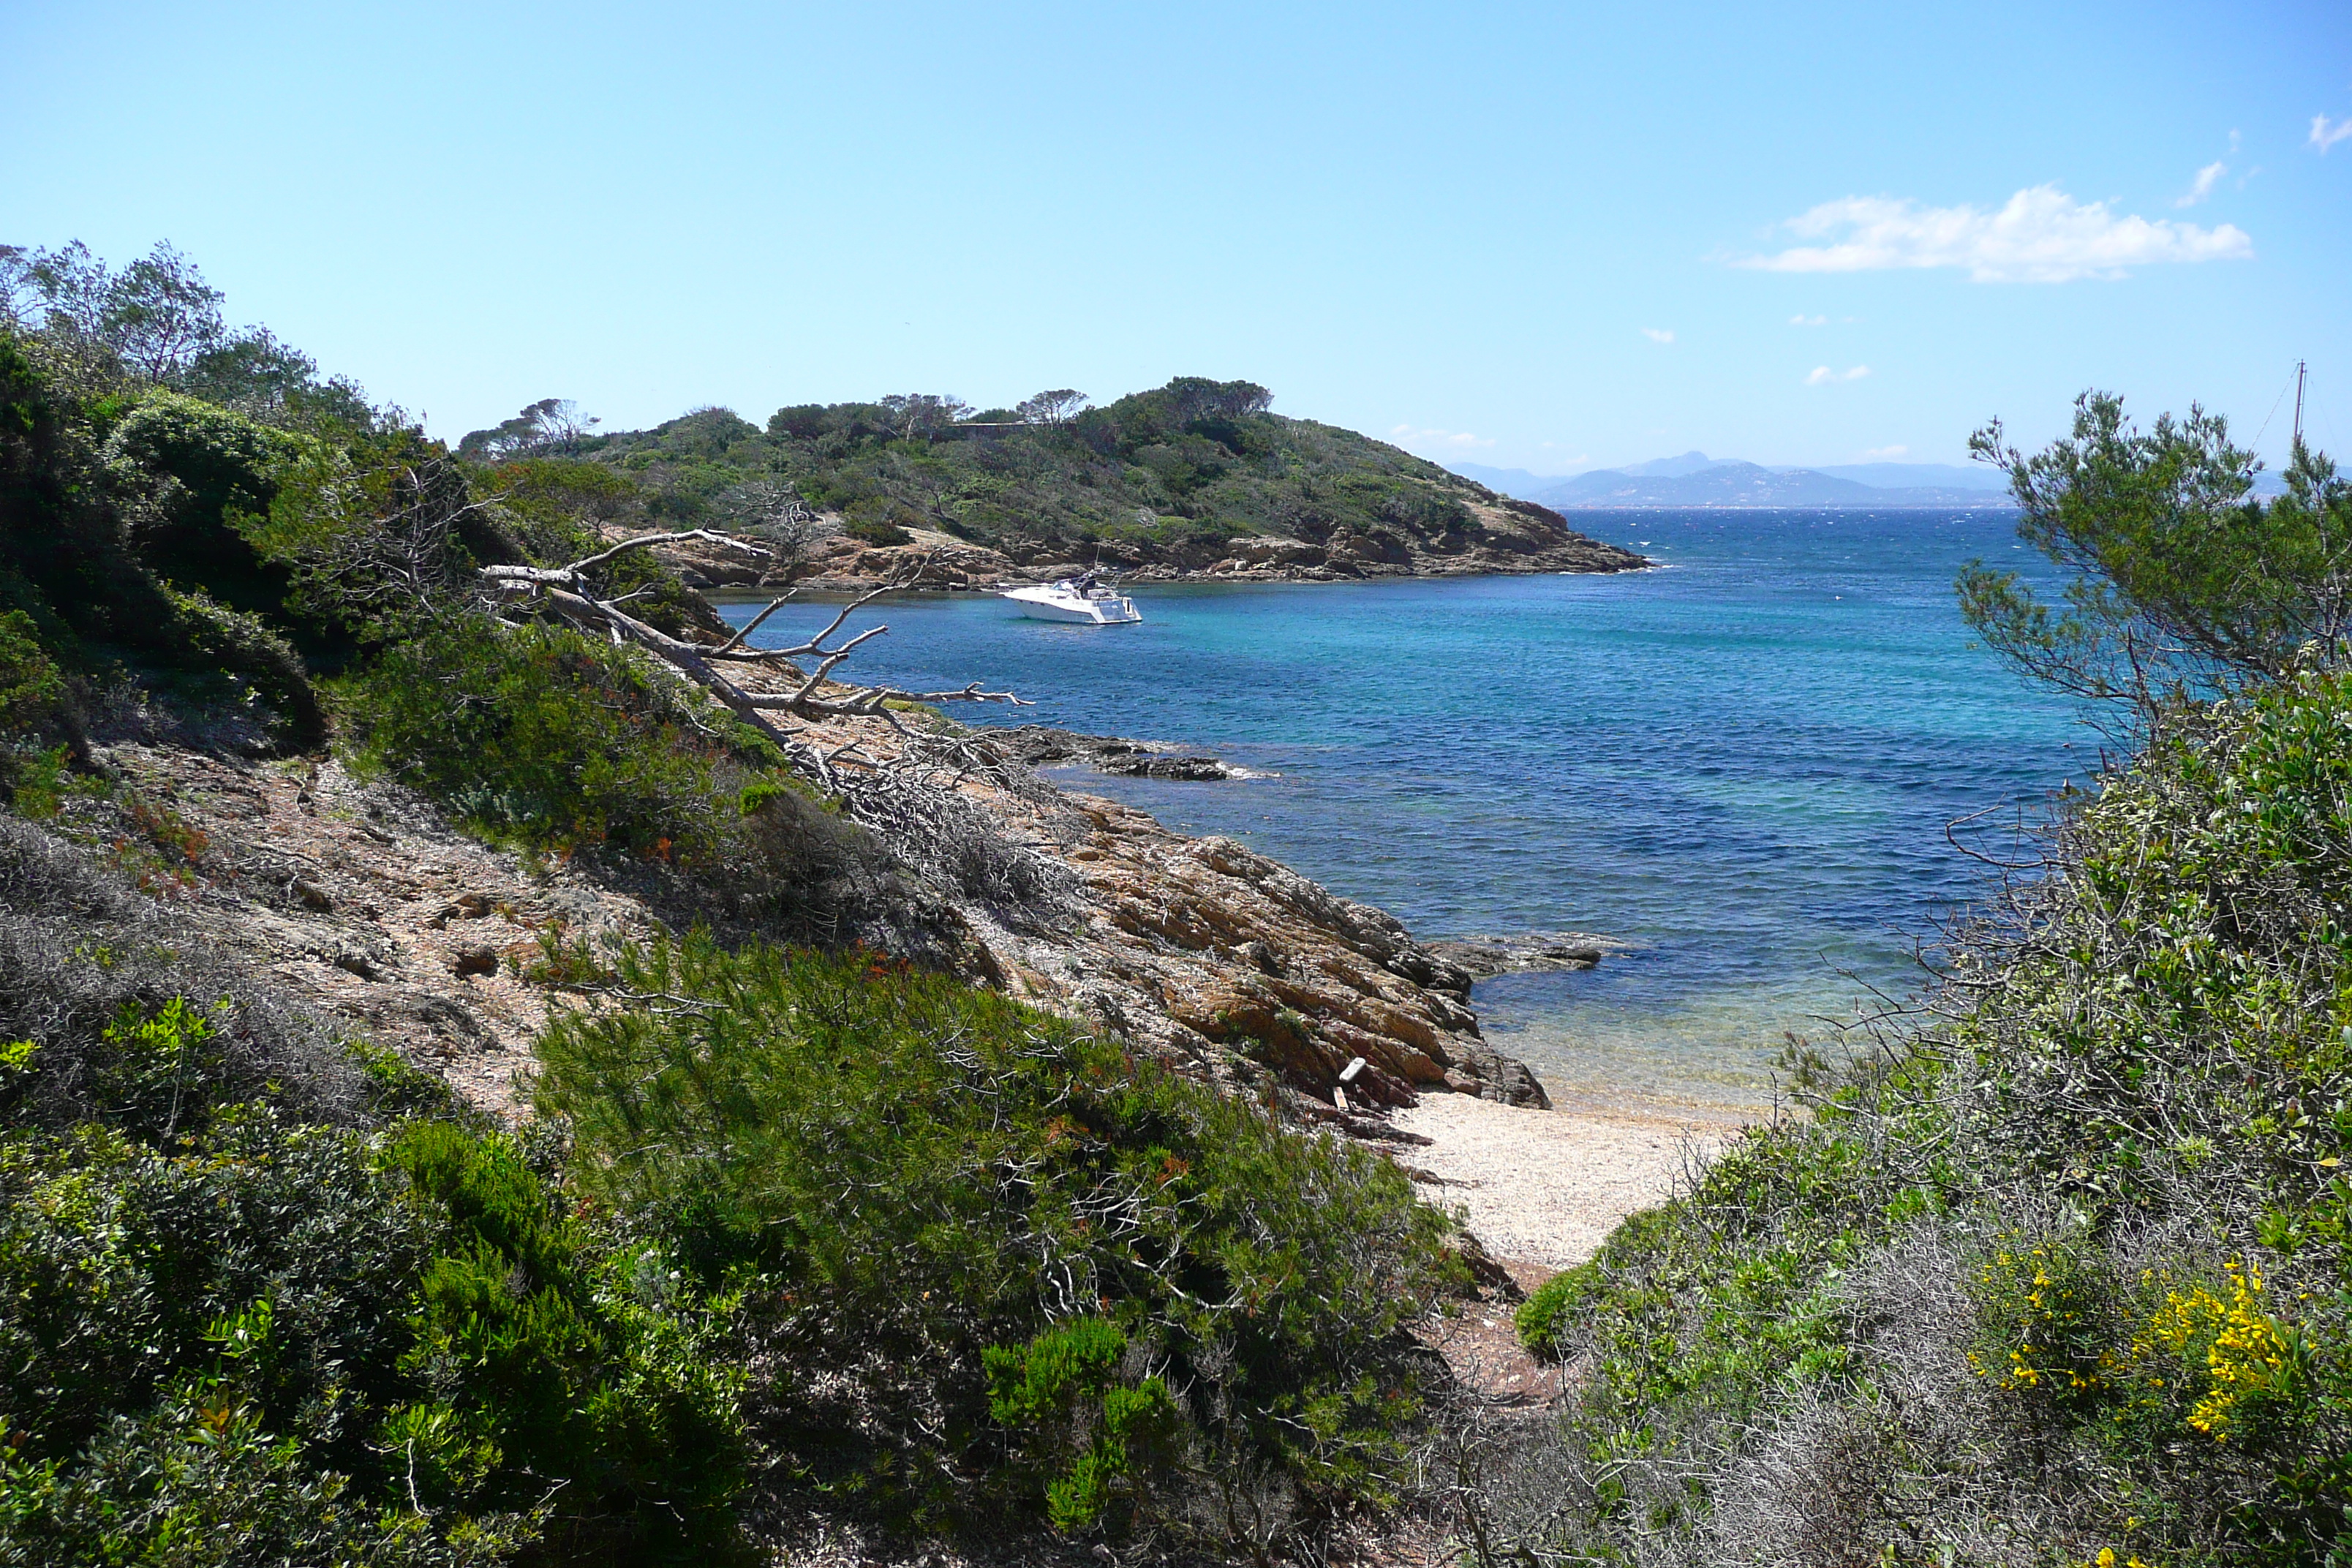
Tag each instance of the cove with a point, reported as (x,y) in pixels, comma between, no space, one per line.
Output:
(1743,762)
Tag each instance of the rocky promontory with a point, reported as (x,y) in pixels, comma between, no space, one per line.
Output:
(1194,481)
(1210,951)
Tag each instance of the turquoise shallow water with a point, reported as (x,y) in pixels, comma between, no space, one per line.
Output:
(1743,762)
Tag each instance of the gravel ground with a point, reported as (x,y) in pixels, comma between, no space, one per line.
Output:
(1548,1186)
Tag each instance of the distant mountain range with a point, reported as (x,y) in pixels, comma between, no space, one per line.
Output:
(1695,479)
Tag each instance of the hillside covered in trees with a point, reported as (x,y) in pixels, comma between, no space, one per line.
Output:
(1178,478)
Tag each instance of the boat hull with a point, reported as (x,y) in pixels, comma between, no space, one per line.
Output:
(1083,612)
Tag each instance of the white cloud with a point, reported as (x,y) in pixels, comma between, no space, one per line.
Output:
(1823,374)
(1409,436)
(1885,454)
(1802,320)
(2202,186)
(2326,133)
(2040,236)
(1658,334)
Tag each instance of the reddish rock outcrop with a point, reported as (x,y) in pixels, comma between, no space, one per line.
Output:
(1208,951)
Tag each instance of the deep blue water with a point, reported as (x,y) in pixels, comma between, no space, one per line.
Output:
(1744,762)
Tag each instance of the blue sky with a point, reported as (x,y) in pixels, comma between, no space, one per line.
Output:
(1470,228)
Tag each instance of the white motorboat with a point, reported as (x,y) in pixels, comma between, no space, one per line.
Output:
(1086,600)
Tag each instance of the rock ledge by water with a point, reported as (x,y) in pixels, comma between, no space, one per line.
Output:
(1484,956)
(1043,746)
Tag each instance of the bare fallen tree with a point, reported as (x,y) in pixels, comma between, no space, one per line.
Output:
(909,796)
(570,592)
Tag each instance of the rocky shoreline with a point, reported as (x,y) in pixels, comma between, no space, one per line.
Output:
(1506,537)
(369,907)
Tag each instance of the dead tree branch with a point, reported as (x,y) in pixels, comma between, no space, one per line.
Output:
(569,592)
(575,575)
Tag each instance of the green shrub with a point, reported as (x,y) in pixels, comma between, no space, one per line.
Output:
(883,530)
(195,475)
(33,710)
(543,1358)
(1550,1308)
(546,739)
(196,1481)
(905,1173)
(37,782)
(543,737)
(118,1259)
(158,1076)
(1069,1417)
(319,1340)
(262,664)
(761,795)
(2047,1321)
(77,509)
(31,690)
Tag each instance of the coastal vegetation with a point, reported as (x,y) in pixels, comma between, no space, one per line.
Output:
(2055,1271)
(800,1231)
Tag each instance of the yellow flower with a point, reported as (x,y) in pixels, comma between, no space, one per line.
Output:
(2244,1348)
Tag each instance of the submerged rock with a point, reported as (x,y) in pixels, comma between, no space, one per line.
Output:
(1484,956)
(1041,745)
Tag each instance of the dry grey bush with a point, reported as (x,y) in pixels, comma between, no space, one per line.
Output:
(1924,1461)
(78,947)
(1495,1479)
(771,511)
(1818,1477)
(1926,1456)
(914,806)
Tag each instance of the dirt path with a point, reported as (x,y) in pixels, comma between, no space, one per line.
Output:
(1541,1190)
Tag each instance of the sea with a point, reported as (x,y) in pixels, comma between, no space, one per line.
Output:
(1746,763)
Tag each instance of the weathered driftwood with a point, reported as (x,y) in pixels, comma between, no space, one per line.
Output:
(570,592)
(908,797)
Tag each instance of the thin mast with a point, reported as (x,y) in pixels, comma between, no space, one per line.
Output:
(2298,401)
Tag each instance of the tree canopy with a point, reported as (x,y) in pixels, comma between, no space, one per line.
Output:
(2183,583)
